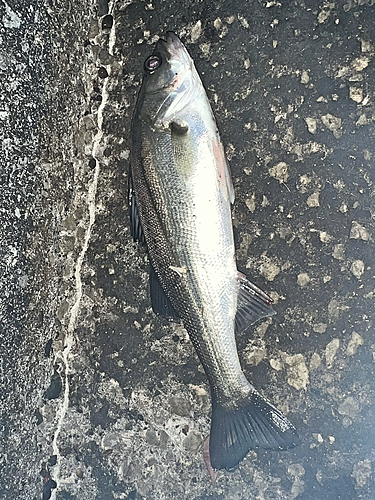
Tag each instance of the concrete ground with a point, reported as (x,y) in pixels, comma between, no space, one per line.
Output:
(100,397)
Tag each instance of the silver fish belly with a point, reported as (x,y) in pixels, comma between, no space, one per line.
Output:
(180,192)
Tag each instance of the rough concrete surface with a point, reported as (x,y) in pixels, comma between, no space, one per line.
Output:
(98,396)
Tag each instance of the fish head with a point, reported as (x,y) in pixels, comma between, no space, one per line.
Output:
(167,65)
(170,82)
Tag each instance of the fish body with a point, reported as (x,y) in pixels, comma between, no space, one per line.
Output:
(180,195)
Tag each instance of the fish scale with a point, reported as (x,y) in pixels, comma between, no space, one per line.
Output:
(201,244)
(180,193)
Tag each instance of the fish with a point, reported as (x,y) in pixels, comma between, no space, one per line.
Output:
(180,196)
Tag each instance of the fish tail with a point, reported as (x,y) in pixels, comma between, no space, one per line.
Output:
(242,426)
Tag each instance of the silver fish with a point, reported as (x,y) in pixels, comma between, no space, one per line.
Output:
(180,192)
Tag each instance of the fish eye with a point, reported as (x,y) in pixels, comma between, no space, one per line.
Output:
(152,63)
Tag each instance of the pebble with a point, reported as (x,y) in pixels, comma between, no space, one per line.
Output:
(339,252)
(296,470)
(333,124)
(280,172)
(354,343)
(254,357)
(180,406)
(311,125)
(79,473)
(315,361)
(362,472)
(356,94)
(276,364)
(192,442)
(349,407)
(107,22)
(298,487)
(313,200)
(269,270)
(196,31)
(297,372)
(318,437)
(151,437)
(331,350)
(320,327)
(334,310)
(303,279)
(358,268)
(305,77)
(358,232)
(164,438)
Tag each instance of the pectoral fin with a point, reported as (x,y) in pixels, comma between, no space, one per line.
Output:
(179,128)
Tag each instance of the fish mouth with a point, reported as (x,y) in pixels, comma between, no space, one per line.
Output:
(172,47)
(174,52)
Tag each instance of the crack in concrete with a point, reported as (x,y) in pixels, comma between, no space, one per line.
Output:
(66,354)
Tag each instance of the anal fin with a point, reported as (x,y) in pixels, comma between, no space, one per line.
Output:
(252,304)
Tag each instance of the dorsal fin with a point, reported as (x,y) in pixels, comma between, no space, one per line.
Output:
(228,179)
(225,177)
(135,221)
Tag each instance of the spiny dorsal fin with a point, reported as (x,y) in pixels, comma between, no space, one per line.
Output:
(135,221)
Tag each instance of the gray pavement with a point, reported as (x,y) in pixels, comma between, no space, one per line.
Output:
(98,395)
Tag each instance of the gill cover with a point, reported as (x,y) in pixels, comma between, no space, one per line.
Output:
(171,79)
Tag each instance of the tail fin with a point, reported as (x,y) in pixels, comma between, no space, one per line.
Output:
(253,423)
